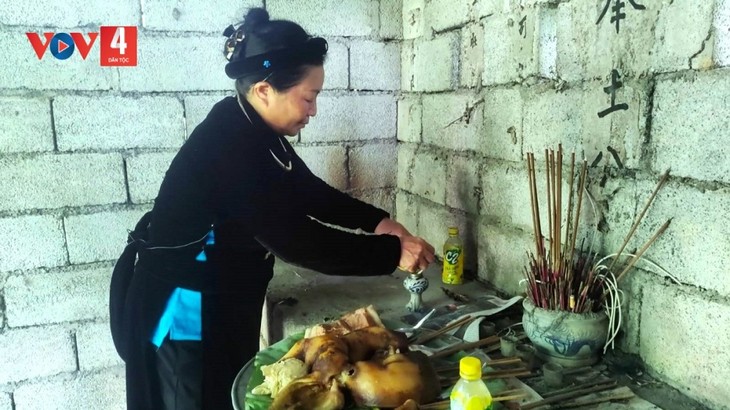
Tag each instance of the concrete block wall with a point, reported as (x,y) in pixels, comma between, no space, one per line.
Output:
(83,149)
(485,82)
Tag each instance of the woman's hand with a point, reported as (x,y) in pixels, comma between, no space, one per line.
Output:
(415,254)
(390,227)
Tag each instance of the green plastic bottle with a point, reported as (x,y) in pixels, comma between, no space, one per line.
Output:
(453,270)
(470,392)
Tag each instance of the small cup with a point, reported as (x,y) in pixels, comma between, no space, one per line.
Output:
(508,345)
(552,374)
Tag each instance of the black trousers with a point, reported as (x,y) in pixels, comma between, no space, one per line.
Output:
(180,370)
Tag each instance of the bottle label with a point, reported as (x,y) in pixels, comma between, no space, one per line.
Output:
(461,401)
(453,272)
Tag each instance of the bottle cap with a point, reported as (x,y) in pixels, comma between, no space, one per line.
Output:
(453,230)
(470,368)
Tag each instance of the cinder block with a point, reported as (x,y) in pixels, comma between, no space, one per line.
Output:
(434,228)
(145,173)
(445,14)
(197,108)
(590,50)
(35,352)
(118,122)
(463,185)
(336,66)
(682,125)
(502,131)
(329,17)
(26,125)
(407,68)
(51,181)
(42,298)
(5,402)
(50,73)
(406,210)
(100,236)
(374,65)
(406,162)
(510,47)
(391,19)
(414,18)
(95,347)
(105,390)
(189,15)
(30,242)
(383,198)
(429,175)
(633,288)
(351,118)
(184,63)
(506,194)
(327,162)
(502,257)
(687,324)
(697,262)
(487,8)
(453,121)
(373,166)
(682,34)
(571,117)
(435,63)
(410,114)
(471,66)
(547,42)
(721,25)
(71,14)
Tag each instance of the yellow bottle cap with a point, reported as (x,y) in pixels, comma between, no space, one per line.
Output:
(453,230)
(470,368)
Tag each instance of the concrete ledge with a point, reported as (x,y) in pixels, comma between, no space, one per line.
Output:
(299,298)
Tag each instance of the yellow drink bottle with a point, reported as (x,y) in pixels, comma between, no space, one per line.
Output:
(453,270)
(470,392)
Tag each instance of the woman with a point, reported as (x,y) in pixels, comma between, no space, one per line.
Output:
(186,318)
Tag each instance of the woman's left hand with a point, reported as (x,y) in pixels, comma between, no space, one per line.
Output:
(390,227)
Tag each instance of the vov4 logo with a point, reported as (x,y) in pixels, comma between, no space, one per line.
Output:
(118,45)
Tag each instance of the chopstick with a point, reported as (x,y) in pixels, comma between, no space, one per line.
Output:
(448,351)
(427,338)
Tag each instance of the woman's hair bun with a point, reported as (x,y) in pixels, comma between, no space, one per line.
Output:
(254,18)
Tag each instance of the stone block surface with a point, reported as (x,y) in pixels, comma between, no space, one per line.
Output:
(145,173)
(352,118)
(25,125)
(54,181)
(35,352)
(510,47)
(95,347)
(453,121)
(330,17)
(502,135)
(435,63)
(373,166)
(106,123)
(410,115)
(327,162)
(41,298)
(374,65)
(31,242)
(100,236)
(104,390)
(690,325)
(188,15)
(691,118)
(159,69)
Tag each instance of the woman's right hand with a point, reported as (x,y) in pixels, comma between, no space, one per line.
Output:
(415,254)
